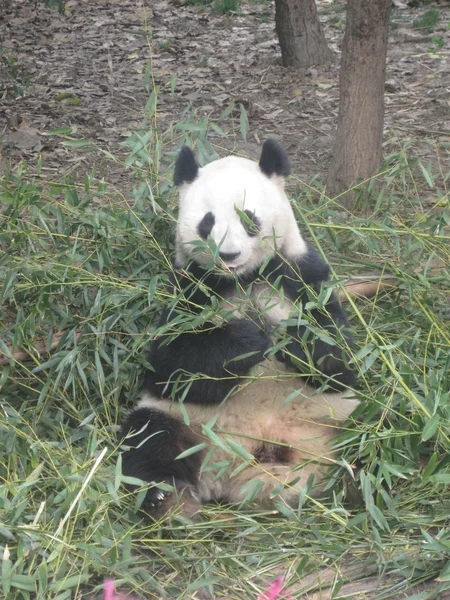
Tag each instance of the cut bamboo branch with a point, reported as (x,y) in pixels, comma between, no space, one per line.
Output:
(369,285)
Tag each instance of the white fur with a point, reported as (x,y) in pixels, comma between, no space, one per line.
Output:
(231,183)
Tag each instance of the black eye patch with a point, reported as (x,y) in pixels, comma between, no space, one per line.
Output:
(206,224)
(252,224)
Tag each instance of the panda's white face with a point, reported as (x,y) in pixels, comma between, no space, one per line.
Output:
(244,211)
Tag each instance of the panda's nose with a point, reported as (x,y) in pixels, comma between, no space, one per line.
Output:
(229,257)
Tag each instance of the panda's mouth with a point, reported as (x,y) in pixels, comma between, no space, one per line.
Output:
(232,268)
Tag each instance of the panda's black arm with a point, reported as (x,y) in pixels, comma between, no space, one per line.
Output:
(330,360)
(205,360)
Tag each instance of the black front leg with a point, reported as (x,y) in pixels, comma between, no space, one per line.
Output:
(330,362)
(207,361)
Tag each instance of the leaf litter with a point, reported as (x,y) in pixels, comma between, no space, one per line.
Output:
(85,68)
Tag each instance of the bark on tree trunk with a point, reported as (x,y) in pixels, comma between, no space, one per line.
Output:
(300,34)
(357,152)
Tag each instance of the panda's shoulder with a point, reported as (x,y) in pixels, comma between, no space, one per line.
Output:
(313,267)
(309,268)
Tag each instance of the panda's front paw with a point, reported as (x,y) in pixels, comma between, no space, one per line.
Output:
(250,340)
(251,335)
(341,376)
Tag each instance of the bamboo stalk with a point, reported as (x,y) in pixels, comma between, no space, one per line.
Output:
(367,286)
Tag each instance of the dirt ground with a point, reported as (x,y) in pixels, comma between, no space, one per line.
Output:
(86,68)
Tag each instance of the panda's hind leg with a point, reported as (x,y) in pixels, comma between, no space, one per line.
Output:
(155,439)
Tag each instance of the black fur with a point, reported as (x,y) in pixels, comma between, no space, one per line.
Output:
(205,226)
(205,360)
(161,439)
(254,226)
(186,167)
(274,160)
(194,281)
(313,268)
(329,360)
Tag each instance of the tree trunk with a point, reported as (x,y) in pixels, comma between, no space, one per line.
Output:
(300,34)
(357,152)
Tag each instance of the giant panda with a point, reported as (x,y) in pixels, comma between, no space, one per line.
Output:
(251,363)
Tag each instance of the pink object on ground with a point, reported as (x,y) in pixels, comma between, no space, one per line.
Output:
(274,590)
(110,594)
(272,593)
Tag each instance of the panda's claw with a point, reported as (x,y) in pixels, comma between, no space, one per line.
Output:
(155,499)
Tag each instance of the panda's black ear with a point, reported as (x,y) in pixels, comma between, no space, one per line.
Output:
(186,167)
(274,160)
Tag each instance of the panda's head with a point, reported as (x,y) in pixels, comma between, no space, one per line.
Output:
(239,207)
